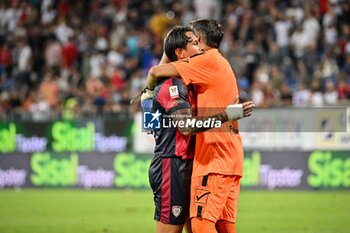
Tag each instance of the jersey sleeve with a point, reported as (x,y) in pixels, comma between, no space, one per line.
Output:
(173,95)
(195,70)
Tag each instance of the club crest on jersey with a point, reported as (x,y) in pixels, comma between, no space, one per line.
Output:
(174,92)
(176,210)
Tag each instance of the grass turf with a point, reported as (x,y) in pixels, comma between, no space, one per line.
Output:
(109,211)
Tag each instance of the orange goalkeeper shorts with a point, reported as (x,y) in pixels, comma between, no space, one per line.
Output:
(215,197)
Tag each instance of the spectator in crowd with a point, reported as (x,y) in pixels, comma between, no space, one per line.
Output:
(302,96)
(53,53)
(330,95)
(24,62)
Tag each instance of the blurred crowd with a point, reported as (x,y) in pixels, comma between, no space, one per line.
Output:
(81,58)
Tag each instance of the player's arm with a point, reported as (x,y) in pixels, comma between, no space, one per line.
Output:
(173,97)
(159,71)
(147,93)
(156,73)
(185,115)
(232,112)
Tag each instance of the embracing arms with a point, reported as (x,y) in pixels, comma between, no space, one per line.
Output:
(232,112)
(156,73)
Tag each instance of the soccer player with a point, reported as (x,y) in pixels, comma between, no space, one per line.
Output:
(218,161)
(171,166)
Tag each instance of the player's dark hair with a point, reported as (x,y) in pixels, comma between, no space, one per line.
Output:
(210,31)
(176,38)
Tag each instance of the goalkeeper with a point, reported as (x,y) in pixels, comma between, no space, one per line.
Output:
(218,160)
(171,166)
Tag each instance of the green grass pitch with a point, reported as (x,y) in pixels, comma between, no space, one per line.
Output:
(109,211)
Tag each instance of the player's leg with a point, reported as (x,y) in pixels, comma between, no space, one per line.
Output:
(227,220)
(172,194)
(160,178)
(201,225)
(155,180)
(168,228)
(187,225)
(185,171)
(208,198)
(223,226)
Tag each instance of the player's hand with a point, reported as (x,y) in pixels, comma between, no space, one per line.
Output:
(146,100)
(146,105)
(146,94)
(248,108)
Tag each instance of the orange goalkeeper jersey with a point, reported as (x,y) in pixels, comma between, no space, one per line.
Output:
(218,150)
